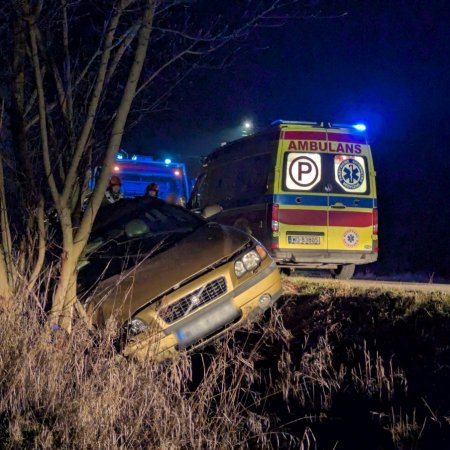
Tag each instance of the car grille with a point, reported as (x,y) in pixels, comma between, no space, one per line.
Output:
(194,300)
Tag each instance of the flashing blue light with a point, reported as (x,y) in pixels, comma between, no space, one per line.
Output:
(134,158)
(119,156)
(167,161)
(360,127)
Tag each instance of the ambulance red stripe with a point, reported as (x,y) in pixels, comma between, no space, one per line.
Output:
(350,219)
(319,218)
(347,138)
(305,135)
(323,136)
(302,217)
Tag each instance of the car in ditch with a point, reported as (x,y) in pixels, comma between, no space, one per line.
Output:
(172,280)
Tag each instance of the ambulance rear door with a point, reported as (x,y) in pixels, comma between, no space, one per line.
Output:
(351,200)
(303,206)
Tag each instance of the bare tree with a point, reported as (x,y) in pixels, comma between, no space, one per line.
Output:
(75,69)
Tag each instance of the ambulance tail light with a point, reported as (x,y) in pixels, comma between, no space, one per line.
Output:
(375,221)
(275,222)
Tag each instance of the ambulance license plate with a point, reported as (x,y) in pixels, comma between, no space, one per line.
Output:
(304,240)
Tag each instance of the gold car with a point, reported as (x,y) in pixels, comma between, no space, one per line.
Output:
(173,280)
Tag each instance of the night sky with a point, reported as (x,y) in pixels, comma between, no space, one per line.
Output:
(385,63)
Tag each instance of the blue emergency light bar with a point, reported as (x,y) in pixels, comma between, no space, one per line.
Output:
(358,127)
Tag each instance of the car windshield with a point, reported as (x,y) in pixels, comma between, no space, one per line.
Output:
(129,231)
(142,217)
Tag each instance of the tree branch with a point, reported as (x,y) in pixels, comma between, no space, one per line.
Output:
(42,113)
(82,234)
(94,103)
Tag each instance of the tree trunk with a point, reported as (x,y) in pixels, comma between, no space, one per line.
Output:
(7,269)
(83,232)
(5,291)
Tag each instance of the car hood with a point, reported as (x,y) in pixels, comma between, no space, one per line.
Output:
(124,294)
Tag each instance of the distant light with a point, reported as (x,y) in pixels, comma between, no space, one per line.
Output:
(119,156)
(360,127)
(222,144)
(177,173)
(134,158)
(116,168)
(167,161)
(247,125)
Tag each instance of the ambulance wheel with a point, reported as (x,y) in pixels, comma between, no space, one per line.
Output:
(286,271)
(343,272)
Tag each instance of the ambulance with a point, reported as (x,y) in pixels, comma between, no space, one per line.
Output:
(305,190)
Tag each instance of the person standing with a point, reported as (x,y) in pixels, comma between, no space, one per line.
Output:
(113,193)
(152,190)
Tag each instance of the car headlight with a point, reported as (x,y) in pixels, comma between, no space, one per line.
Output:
(137,326)
(250,261)
(239,268)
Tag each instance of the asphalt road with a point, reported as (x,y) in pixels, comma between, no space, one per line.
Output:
(396,285)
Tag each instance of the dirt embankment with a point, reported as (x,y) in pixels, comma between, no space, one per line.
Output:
(368,368)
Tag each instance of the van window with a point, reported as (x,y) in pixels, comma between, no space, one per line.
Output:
(198,195)
(303,171)
(350,173)
(239,180)
(325,173)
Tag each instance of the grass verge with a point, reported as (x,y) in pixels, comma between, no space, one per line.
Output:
(328,368)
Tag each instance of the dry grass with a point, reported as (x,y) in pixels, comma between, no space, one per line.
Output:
(60,391)
(327,369)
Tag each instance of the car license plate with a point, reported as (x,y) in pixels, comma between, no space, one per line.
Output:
(206,323)
(305,240)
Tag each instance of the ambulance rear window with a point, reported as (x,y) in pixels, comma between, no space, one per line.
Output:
(325,173)
(350,173)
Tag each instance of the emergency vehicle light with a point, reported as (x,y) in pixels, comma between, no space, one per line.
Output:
(293,122)
(358,127)
(134,158)
(119,156)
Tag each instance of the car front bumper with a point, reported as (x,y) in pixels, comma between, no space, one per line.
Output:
(246,302)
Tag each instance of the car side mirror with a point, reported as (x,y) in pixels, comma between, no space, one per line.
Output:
(211,210)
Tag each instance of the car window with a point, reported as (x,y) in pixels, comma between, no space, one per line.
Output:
(198,194)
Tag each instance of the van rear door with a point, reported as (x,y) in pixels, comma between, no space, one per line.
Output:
(303,213)
(351,205)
